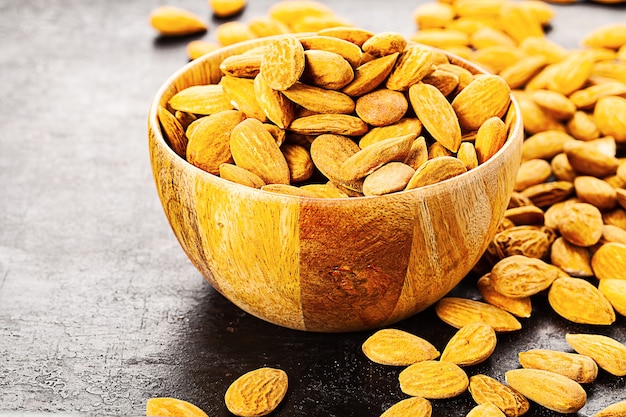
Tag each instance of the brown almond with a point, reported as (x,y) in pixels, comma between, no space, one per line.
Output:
(209,142)
(609,261)
(412,406)
(254,149)
(256,393)
(610,116)
(580,302)
(485,410)
(381,107)
(240,175)
(459,312)
(370,75)
(402,127)
(436,114)
(299,161)
(545,144)
(549,193)
(398,348)
(615,291)
(173,131)
(587,159)
(367,160)
(389,178)
(613,410)
(490,137)
(319,100)
(283,62)
(532,172)
(355,35)
(339,124)
(436,170)
(470,345)
(607,352)
(548,389)
(175,21)
(326,69)
(582,225)
(596,192)
(413,64)
(580,368)
(240,92)
(491,91)
(433,380)
(485,389)
(169,406)
(518,306)
(467,155)
(384,43)
(201,99)
(278,108)
(574,260)
(521,276)
(349,51)
(572,72)
(242,65)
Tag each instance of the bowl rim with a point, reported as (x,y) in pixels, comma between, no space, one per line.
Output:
(515,132)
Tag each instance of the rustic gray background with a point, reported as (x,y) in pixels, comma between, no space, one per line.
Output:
(99,307)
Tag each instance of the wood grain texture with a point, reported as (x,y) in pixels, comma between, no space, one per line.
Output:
(328,265)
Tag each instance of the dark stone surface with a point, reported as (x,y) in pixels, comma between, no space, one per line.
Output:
(99,307)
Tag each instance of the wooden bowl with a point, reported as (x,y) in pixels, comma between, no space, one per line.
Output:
(328,265)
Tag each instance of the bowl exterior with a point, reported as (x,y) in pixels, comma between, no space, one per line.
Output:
(328,265)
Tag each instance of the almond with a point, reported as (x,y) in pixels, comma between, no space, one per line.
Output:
(609,261)
(436,114)
(582,226)
(257,392)
(470,345)
(283,63)
(413,406)
(607,352)
(381,107)
(172,407)
(436,170)
(413,64)
(579,368)
(485,389)
(326,69)
(319,100)
(580,302)
(209,142)
(398,348)
(548,389)
(491,91)
(370,75)
(389,178)
(518,306)
(254,149)
(615,291)
(521,276)
(201,99)
(174,21)
(367,160)
(459,312)
(433,380)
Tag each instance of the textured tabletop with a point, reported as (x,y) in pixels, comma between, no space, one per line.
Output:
(100,309)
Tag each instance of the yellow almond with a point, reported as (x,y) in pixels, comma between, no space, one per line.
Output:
(398,348)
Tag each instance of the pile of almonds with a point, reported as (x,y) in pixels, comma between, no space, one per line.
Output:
(340,113)
(564,233)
